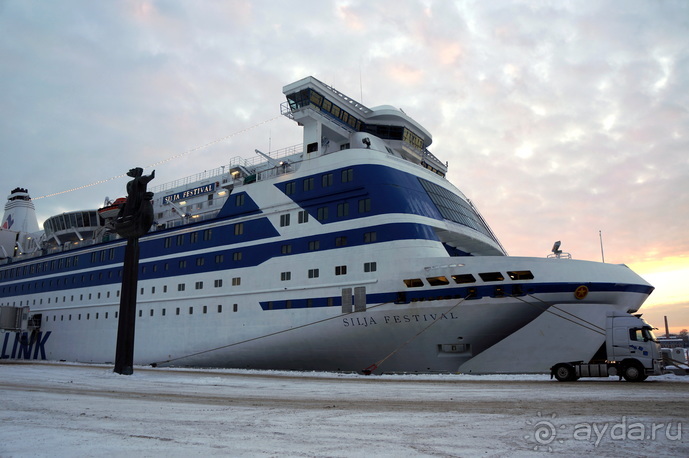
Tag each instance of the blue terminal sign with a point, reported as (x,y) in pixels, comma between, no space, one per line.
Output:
(193,192)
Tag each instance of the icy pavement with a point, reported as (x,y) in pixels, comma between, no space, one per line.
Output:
(77,410)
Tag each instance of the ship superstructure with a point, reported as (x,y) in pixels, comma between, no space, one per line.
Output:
(349,252)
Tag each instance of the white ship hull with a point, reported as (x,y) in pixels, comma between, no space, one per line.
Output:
(364,259)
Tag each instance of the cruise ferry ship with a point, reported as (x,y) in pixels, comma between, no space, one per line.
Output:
(349,252)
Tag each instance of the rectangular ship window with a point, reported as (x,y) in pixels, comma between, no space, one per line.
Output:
(463,278)
(370,267)
(491,276)
(303,216)
(437,281)
(520,275)
(413,283)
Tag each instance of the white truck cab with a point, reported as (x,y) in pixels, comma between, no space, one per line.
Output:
(632,353)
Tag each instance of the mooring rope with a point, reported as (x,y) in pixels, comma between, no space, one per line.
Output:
(593,327)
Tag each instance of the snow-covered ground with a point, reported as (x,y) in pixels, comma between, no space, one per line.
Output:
(76,410)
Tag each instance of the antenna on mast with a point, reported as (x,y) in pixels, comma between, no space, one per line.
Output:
(602,255)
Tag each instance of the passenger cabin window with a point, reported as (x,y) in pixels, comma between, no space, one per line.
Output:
(343,209)
(308,184)
(303,216)
(413,283)
(347,175)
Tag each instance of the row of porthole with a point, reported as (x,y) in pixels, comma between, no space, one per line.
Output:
(178,310)
(442,280)
(471,293)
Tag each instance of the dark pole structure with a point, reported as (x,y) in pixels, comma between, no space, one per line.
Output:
(133,221)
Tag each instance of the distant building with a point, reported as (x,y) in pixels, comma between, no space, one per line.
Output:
(671,342)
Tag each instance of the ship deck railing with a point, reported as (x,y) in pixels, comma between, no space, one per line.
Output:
(237,161)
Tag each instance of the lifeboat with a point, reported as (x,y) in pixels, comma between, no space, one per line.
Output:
(112,210)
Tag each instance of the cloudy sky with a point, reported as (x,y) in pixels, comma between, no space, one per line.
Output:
(559,119)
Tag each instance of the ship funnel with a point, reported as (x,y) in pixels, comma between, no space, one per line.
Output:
(18,222)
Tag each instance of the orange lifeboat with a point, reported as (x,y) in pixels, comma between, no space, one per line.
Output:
(112,210)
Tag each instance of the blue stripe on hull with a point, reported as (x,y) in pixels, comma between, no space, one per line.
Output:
(468,293)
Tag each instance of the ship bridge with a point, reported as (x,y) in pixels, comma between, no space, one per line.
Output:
(330,118)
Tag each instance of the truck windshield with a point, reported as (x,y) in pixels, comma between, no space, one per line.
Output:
(648,334)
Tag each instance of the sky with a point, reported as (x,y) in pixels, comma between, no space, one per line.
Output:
(560,120)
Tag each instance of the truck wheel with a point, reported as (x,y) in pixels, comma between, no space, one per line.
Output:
(634,372)
(565,373)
